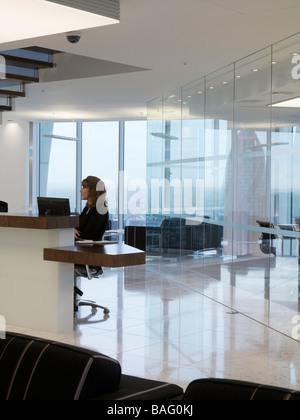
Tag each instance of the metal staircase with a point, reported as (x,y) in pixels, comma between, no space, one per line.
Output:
(22,67)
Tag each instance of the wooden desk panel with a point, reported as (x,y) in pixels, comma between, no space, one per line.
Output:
(29,221)
(108,255)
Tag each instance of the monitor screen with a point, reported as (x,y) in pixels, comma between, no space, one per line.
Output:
(3,207)
(53,206)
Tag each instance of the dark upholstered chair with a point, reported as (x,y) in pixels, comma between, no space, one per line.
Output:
(225,389)
(266,245)
(42,370)
(36,369)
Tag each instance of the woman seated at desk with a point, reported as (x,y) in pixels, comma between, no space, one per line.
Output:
(93,223)
(93,220)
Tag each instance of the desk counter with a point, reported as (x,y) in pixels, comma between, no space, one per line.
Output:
(32,221)
(37,257)
(108,255)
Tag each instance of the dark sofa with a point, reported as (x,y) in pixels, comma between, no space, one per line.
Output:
(175,233)
(38,369)
(42,370)
(214,389)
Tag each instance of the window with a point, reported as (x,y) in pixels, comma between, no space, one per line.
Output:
(135,173)
(100,157)
(58,161)
(110,150)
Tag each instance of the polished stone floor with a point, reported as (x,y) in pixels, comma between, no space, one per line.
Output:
(176,323)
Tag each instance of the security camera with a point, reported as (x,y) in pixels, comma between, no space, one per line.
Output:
(73,38)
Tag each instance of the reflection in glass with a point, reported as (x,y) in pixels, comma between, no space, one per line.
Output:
(231,142)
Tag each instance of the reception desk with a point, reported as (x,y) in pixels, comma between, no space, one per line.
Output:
(108,255)
(34,293)
(37,257)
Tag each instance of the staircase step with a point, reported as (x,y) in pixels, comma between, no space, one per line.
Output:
(41,50)
(5,108)
(28,79)
(11,93)
(26,62)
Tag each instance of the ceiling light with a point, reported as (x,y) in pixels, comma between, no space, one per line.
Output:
(34,18)
(290,103)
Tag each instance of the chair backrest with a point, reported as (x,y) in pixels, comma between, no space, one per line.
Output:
(3,207)
(268,225)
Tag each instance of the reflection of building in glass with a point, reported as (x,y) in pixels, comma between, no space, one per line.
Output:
(245,192)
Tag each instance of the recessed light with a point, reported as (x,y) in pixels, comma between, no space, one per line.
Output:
(34,18)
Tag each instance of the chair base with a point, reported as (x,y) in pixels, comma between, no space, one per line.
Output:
(93,305)
(86,272)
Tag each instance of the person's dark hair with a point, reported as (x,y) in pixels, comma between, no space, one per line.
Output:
(91,183)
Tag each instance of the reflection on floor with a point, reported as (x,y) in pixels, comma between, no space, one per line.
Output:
(171,322)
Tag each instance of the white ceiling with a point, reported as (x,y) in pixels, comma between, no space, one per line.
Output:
(170,42)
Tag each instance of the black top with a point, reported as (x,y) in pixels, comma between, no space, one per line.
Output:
(92,224)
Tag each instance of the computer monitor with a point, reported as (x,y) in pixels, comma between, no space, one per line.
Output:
(49,206)
(3,207)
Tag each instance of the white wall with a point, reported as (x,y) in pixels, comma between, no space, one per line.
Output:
(14,165)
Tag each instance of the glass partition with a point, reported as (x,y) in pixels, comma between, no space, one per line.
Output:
(224,155)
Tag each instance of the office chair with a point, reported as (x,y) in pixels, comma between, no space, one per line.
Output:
(89,272)
(266,239)
(3,207)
